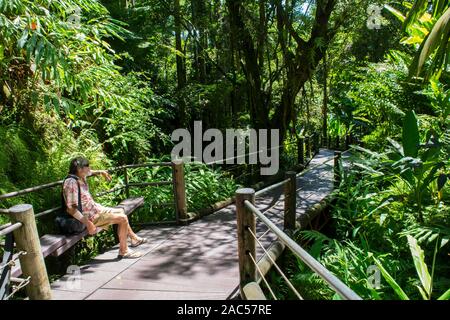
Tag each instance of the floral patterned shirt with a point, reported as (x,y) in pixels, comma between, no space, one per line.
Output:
(89,206)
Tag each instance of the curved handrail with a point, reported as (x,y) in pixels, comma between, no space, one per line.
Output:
(326,275)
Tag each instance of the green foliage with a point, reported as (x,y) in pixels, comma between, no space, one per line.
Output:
(58,58)
(27,159)
(410,135)
(427,24)
(371,101)
(426,280)
(385,197)
(52,53)
(201,100)
(205,186)
(75,80)
(129,117)
(374,213)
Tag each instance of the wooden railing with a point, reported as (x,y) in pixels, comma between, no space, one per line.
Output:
(23,231)
(177,182)
(307,146)
(340,143)
(251,270)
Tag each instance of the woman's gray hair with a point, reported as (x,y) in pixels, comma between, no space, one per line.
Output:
(78,163)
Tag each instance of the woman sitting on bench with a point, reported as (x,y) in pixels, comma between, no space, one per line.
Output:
(95,215)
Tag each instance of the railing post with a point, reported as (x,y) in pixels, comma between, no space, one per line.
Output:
(308,147)
(329,141)
(316,143)
(300,150)
(32,263)
(347,141)
(127,188)
(246,243)
(337,142)
(179,189)
(290,198)
(337,171)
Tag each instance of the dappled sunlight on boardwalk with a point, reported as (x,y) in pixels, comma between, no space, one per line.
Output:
(197,261)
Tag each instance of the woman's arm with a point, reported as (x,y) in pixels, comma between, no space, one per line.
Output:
(103,173)
(73,211)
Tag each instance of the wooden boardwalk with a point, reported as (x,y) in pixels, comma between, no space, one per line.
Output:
(197,261)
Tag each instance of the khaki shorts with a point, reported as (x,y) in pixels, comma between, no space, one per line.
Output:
(105,217)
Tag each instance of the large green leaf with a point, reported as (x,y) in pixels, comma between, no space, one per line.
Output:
(410,135)
(437,38)
(419,7)
(431,176)
(421,267)
(396,145)
(398,290)
(442,179)
(439,7)
(395,12)
(445,296)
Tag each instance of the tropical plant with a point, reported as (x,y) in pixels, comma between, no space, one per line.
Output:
(205,186)
(418,165)
(428,25)
(419,169)
(426,280)
(371,100)
(55,59)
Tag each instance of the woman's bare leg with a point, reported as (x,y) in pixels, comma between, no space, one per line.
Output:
(131,234)
(122,230)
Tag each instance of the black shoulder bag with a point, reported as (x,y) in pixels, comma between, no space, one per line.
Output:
(66,223)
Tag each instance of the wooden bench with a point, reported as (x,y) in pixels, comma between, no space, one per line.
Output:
(56,244)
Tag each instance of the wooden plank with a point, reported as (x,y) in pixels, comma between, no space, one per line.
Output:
(70,242)
(112,294)
(43,213)
(149,184)
(131,204)
(32,189)
(179,189)
(51,242)
(142,165)
(246,244)
(68,295)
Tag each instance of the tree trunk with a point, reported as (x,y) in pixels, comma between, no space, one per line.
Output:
(181,69)
(301,65)
(262,33)
(325,98)
(199,18)
(257,106)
